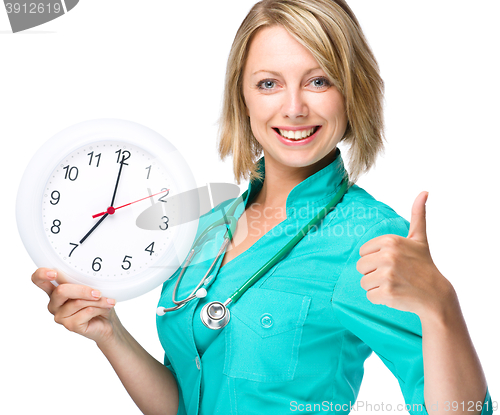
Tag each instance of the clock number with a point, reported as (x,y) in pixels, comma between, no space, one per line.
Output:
(55,226)
(97,156)
(149,171)
(165,195)
(96,265)
(126,156)
(125,260)
(71,173)
(150,248)
(55,195)
(74,247)
(165,222)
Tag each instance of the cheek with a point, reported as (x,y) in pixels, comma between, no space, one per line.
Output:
(257,127)
(260,112)
(333,109)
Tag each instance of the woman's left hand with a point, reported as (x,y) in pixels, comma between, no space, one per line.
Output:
(399,272)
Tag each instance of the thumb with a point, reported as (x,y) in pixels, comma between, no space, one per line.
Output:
(417,223)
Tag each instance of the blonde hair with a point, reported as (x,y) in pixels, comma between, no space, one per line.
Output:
(331,32)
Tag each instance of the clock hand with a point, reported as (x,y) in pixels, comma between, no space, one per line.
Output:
(112,201)
(93,228)
(117,180)
(112,210)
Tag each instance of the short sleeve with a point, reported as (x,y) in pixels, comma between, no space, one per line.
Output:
(394,335)
(182,408)
(487,404)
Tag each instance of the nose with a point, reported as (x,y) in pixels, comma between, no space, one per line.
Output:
(294,104)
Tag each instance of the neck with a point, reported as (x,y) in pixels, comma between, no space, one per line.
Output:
(280,180)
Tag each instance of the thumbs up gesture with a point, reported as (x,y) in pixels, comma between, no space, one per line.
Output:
(399,272)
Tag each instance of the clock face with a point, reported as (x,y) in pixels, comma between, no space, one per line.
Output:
(110,204)
(91,225)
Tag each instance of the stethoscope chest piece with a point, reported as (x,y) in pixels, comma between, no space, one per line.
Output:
(215,315)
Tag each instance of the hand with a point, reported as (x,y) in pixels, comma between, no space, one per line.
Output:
(118,179)
(79,308)
(93,228)
(399,272)
(111,206)
(111,210)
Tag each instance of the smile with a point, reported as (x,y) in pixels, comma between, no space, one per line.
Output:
(296,134)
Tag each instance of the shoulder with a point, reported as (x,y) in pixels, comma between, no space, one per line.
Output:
(218,210)
(359,216)
(213,215)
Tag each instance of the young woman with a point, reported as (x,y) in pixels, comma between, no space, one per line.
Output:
(300,80)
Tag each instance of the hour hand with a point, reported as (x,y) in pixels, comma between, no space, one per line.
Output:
(93,228)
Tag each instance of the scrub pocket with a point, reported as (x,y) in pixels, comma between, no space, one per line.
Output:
(264,334)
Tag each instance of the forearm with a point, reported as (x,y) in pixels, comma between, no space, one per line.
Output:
(454,379)
(149,383)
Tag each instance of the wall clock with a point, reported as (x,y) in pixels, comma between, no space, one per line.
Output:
(85,207)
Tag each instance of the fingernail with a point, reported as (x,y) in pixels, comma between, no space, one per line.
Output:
(111,301)
(96,294)
(51,275)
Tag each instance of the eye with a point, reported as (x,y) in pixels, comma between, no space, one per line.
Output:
(320,83)
(266,84)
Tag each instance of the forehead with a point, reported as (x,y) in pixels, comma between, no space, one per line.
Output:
(274,48)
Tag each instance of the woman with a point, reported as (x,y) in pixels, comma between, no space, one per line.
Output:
(301,78)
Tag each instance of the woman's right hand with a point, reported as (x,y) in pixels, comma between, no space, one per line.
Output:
(79,308)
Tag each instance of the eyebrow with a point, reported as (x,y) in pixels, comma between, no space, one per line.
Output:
(280,74)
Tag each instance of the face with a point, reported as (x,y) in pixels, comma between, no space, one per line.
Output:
(289,96)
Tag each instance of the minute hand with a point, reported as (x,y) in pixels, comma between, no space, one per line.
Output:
(117,180)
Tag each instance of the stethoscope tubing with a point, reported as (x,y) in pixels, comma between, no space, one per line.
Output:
(230,220)
(288,247)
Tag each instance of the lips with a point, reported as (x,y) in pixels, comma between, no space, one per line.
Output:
(296,134)
(284,134)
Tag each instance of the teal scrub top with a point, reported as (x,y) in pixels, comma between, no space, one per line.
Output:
(298,338)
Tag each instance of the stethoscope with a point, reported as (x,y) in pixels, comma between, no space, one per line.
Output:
(215,315)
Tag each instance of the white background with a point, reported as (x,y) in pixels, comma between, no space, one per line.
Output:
(162,64)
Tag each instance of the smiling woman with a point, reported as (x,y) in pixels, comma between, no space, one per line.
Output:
(300,79)
(298,116)
(321,48)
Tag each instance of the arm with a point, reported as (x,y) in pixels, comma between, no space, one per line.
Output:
(409,343)
(149,383)
(399,273)
(449,359)
(84,311)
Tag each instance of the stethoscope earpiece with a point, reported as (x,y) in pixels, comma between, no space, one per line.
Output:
(201,293)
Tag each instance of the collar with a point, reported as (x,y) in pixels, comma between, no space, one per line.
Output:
(315,190)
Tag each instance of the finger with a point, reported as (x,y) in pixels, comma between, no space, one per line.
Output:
(42,278)
(371,281)
(418,222)
(65,292)
(367,263)
(378,243)
(376,296)
(79,321)
(71,307)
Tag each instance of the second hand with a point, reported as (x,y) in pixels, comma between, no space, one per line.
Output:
(110,210)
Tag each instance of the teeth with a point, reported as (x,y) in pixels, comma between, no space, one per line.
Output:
(297,135)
